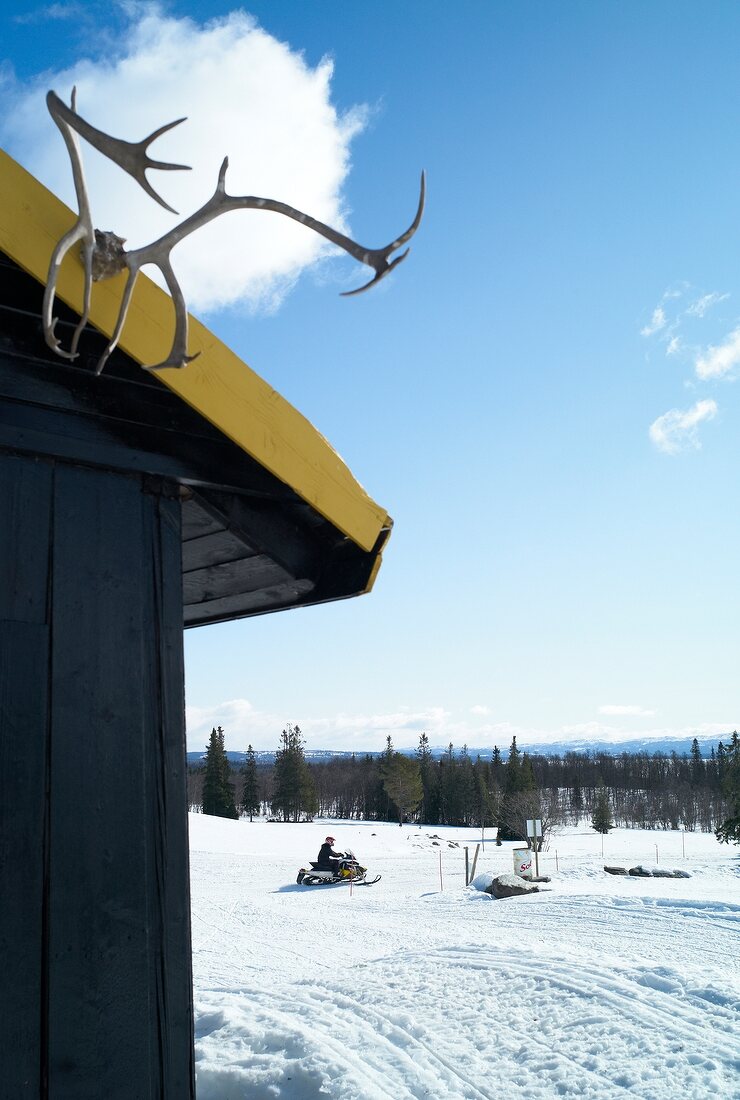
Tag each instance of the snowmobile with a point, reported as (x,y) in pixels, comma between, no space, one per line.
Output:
(347,869)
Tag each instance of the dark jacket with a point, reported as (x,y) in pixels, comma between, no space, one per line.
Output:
(326,855)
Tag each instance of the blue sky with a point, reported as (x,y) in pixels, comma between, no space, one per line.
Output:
(543,396)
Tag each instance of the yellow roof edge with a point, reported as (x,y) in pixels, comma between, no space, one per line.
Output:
(378,559)
(218,385)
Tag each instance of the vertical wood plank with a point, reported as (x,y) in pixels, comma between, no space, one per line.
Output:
(167,827)
(98,951)
(24,662)
(25,486)
(120,1000)
(25,516)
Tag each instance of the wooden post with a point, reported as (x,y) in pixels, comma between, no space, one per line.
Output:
(95,921)
(467,869)
(475,860)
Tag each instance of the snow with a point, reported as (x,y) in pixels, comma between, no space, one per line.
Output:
(597,986)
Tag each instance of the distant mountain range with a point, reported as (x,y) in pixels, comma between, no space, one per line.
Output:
(665,745)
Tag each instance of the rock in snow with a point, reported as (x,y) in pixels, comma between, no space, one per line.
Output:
(510,886)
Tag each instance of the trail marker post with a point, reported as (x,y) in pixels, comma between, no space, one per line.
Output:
(475,861)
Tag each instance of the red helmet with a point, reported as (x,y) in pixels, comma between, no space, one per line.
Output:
(329,840)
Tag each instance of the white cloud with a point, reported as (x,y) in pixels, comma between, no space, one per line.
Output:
(244,724)
(657,322)
(51,12)
(718,361)
(700,307)
(479,709)
(626,710)
(247,96)
(674,346)
(676,430)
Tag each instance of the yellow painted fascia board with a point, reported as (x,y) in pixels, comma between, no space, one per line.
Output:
(218,385)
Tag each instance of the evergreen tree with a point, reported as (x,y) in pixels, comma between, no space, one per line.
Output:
(729,830)
(250,803)
(601,818)
(429,812)
(515,806)
(697,764)
(402,783)
(497,766)
(449,788)
(294,791)
(467,790)
(218,792)
(485,796)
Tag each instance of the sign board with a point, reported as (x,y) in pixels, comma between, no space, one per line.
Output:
(534,827)
(522,862)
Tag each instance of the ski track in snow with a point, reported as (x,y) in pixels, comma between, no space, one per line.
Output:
(402,991)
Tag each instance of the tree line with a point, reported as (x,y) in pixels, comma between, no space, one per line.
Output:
(632,790)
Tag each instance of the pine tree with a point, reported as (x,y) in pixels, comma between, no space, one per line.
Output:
(449,788)
(518,780)
(496,766)
(729,830)
(294,792)
(402,783)
(250,803)
(218,792)
(601,818)
(429,812)
(697,765)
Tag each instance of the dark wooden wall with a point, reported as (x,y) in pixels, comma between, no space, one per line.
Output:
(95,963)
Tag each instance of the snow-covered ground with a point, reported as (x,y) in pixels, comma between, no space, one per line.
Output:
(596,987)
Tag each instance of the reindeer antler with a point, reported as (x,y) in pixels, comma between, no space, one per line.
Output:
(132,156)
(158,253)
(83,231)
(134,159)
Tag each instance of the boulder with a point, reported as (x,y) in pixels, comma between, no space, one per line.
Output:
(510,886)
(640,872)
(615,870)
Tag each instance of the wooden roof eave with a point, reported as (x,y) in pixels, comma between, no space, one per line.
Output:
(218,385)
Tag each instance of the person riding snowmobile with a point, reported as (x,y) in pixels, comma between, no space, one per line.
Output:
(328,859)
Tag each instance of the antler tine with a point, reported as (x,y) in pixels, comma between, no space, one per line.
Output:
(70,238)
(82,230)
(380,273)
(129,155)
(378,258)
(122,313)
(178,356)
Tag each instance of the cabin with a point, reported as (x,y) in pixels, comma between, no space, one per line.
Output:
(133,505)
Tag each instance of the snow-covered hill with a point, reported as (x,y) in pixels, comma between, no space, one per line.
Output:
(597,987)
(650,745)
